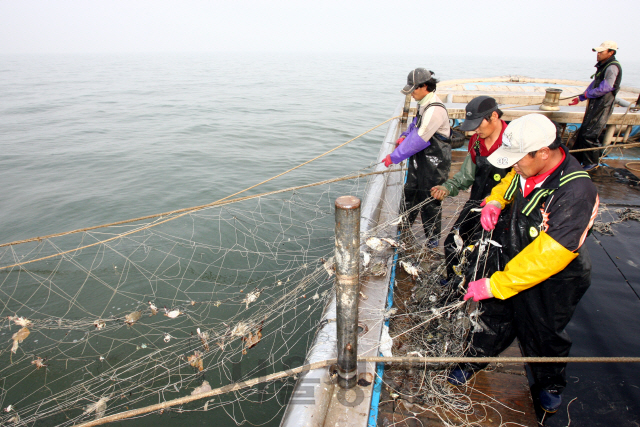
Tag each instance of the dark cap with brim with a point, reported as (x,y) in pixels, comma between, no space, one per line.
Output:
(416,78)
(476,110)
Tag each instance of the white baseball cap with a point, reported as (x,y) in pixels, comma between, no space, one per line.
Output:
(609,44)
(523,135)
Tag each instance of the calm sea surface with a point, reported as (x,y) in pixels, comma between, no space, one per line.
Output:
(87,140)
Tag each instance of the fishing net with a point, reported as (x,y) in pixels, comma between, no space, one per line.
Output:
(121,317)
(431,320)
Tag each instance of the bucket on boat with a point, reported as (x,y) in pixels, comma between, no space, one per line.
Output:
(551,99)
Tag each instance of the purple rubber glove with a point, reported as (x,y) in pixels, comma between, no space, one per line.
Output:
(489,216)
(479,290)
(574,101)
(387,160)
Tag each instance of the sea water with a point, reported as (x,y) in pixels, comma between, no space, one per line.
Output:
(88,139)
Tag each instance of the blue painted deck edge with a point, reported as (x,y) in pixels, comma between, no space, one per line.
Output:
(377,385)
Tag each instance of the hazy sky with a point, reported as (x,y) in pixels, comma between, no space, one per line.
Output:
(564,28)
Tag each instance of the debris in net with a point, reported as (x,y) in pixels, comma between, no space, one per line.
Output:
(153,308)
(329,266)
(251,297)
(204,338)
(100,407)
(172,314)
(386,342)
(240,330)
(390,313)
(366,259)
(252,339)
(410,268)
(195,360)
(18,337)
(99,324)
(381,243)
(379,268)
(20,321)
(204,388)
(39,362)
(397,221)
(132,318)
(8,409)
(458,240)
(167,338)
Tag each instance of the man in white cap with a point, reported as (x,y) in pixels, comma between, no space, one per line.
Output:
(427,145)
(601,94)
(553,204)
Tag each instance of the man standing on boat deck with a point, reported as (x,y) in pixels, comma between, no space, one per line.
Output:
(601,94)
(483,117)
(427,145)
(553,204)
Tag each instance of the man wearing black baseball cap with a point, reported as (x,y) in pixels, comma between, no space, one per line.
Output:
(484,117)
(427,145)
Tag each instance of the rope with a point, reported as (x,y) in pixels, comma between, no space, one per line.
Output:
(181,212)
(630,168)
(635,144)
(323,364)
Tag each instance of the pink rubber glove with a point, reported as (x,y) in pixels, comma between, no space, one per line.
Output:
(479,290)
(387,160)
(574,101)
(399,141)
(489,216)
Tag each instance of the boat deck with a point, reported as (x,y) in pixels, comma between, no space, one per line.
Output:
(596,394)
(499,394)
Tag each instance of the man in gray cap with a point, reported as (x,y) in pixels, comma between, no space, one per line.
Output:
(601,94)
(483,117)
(427,145)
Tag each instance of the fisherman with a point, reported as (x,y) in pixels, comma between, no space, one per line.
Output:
(427,145)
(553,204)
(601,94)
(484,117)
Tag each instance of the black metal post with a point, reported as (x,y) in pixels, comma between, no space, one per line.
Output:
(347,258)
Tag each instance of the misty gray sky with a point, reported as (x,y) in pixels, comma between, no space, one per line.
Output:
(495,28)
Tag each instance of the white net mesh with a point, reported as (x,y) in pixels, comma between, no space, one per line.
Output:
(218,295)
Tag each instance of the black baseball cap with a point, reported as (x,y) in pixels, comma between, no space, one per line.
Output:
(416,78)
(477,109)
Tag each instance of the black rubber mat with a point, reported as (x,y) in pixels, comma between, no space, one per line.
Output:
(606,323)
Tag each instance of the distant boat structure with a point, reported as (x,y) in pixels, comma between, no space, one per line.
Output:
(520,95)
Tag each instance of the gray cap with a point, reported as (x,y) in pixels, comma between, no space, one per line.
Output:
(416,78)
(476,110)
